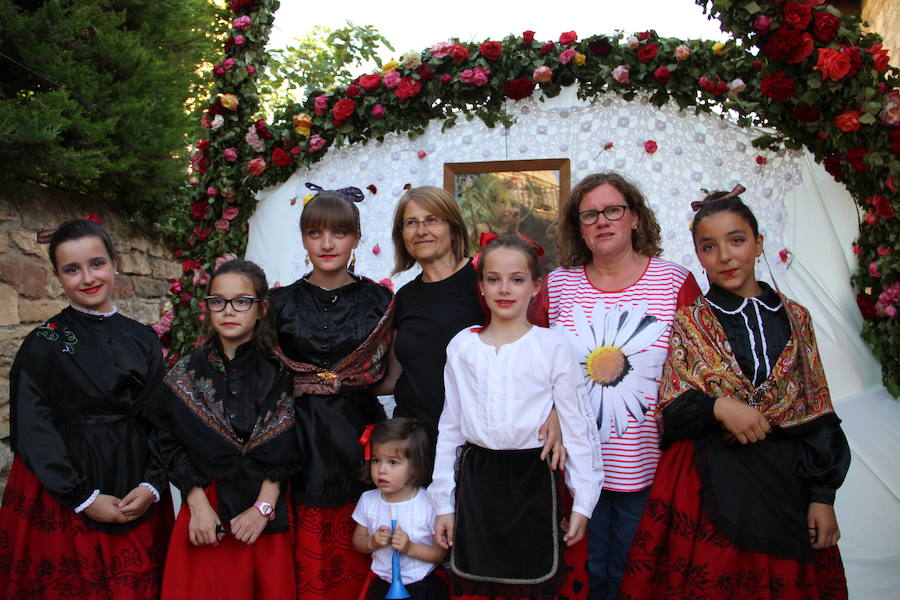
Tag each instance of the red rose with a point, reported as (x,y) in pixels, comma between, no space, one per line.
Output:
(855,158)
(778,86)
(201,234)
(662,75)
(518,88)
(797,14)
(825,26)
(883,207)
(848,121)
(757,65)
(879,57)
(807,113)
(352,91)
(832,164)
(189,265)
(650,146)
(894,138)
(547,48)
(761,160)
(527,37)
(280,158)
(262,130)
(789,45)
(203,145)
(833,64)
(646,52)
(568,38)
(408,88)
(491,50)
(344,109)
(866,306)
(458,52)
(644,35)
(425,73)
(600,47)
(370,83)
(852,53)
(200,208)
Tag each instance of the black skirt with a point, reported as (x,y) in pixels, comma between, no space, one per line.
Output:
(507,501)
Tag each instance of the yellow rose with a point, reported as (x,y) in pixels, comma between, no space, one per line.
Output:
(578,60)
(719,48)
(302,124)
(392,65)
(229,101)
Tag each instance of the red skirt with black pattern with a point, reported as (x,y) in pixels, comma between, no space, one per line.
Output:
(48,552)
(677,552)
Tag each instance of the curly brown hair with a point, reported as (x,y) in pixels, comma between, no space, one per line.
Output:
(573,252)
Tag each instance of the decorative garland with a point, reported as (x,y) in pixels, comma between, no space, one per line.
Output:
(800,68)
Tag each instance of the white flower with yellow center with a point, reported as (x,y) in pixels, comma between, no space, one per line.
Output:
(621,367)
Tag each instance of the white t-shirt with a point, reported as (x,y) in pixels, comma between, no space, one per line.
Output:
(415,516)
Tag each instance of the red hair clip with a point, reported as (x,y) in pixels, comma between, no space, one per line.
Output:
(365,440)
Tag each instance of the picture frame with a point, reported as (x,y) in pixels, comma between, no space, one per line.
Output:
(522,197)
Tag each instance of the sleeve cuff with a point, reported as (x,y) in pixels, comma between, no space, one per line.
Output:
(822,495)
(152,489)
(90,500)
(582,511)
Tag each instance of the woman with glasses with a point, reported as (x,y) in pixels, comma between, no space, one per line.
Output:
(616,299)
(442,300)
(333,328)
(228,413)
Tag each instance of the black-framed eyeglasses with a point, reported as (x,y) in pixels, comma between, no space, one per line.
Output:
(429,222)
(238,303)
(612,213)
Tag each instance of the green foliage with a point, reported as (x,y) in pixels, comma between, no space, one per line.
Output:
(320,59)
(93,98)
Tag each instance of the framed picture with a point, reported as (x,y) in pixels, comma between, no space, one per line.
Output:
(515,196)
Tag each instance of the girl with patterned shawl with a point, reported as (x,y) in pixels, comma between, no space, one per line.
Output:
(753,450)
(333,333)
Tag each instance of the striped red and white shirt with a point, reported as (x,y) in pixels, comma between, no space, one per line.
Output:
(629,460)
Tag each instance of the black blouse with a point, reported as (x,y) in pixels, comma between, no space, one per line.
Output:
(321,327)
(427,316)
(758,494)
(78,391)
(228,421)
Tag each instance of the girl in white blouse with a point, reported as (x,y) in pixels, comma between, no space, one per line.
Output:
(497,502)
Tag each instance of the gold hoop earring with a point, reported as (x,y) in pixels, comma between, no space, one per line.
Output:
(352,261)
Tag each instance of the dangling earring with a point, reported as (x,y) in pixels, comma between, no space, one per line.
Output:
(352,261)
(306,260)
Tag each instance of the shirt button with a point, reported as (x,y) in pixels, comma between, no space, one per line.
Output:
(234,392)
(324,346)
(109,340)
(325,326)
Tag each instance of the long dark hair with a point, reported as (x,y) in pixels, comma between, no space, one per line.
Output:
(75,230)
(716,202)
(264,331)
(511,242)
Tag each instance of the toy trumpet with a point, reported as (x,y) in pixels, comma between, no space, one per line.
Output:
(397,589)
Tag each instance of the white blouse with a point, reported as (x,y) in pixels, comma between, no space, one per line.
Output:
(498,399)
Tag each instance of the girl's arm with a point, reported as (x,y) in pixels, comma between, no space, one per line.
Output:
(429,553)
(204,520)
(248,525)
(823,527)
(450,438)
(741,420)
(367,544)
(553,441)
(394,369)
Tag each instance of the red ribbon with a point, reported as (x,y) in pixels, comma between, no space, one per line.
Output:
(487,237)
(737,191)
(364,440)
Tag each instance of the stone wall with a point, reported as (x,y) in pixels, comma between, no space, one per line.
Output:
(30,292)
(883,17)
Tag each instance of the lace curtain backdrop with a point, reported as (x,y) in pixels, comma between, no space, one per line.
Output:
(800,208)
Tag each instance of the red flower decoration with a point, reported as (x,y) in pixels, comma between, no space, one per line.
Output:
(879,57)
(662,75)
(425,73)
(519,88)
(778,86)
(52,325)
(784,254)
(600,47)
(547,48)
(650,146)
(371,187)
(832,164)
(866,306)
(491,50)
(833,64)
(370,83)
(883,208)
(262,130)
(855,158)
(458,52)
(761,160)
(797,14)
(352,91)
(568,38)
(848,121)
(408,88)
(280,158)
(825,26)
(789,45)
(647,52)
(527,37)
(200,208)
(807,113)
(344,109)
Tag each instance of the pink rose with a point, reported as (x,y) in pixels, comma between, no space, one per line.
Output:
(239,40)
(376,249)
(761,24)
(890,115)
(242,23)
(320,105)
(211,191)
(222,225)
(890,312)
(567,55)
(873,269)
(221,260)
(378,111)
(441,49)
(230,213)
(392,79)
(251,69)
(446,78)
(422,154)
(256,167)
(620,74)
(542,74)
(316,142)
(682,52)
(230,154)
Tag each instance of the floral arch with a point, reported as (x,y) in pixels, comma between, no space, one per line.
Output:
(798,68)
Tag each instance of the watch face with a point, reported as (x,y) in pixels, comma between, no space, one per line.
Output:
(265,508)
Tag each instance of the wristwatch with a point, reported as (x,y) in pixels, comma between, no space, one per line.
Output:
(265,509)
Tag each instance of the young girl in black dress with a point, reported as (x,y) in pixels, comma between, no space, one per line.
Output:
(81,514)
(230,411)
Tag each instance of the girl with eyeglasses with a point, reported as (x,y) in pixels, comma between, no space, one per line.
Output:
(333,330)
(228,410)
(86,511)
(613,286)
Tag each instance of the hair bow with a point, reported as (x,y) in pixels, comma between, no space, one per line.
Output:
(43,236)
(488,237)
(365,440)
(737,191)
(353,194)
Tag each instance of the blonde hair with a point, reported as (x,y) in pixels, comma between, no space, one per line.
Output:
(440,204)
